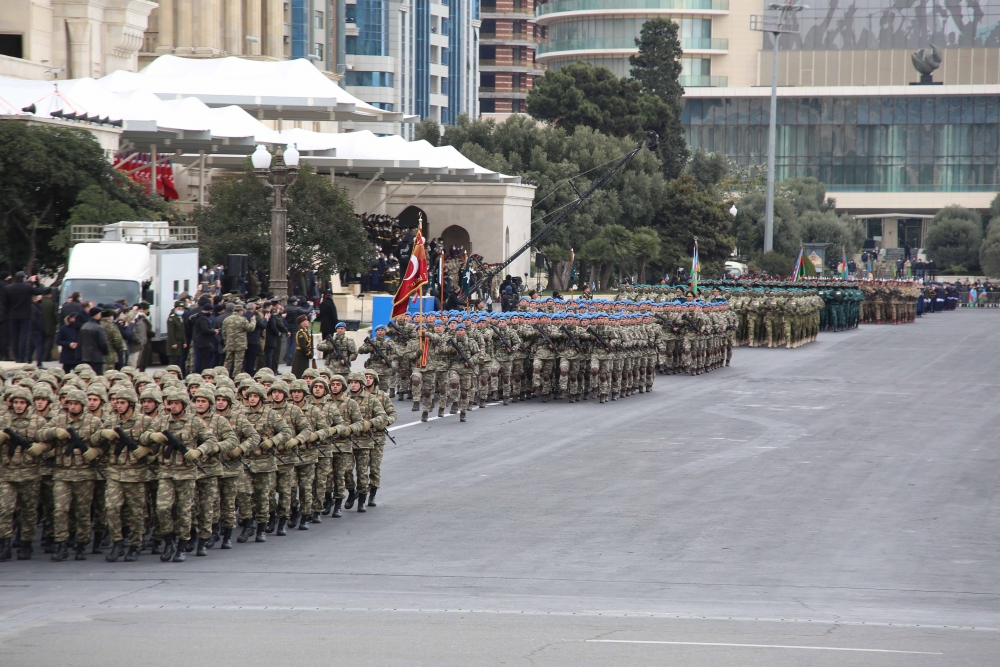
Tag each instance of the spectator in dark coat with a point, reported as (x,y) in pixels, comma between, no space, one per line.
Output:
(68,340)
(327,316)
(17,298)
(203,331)
(36,348)
(50,314)
(72,305)
(276,331)
(94,342)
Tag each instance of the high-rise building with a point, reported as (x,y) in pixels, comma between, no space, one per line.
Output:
(507,43)
(419,57)
(603,32)
(61,39)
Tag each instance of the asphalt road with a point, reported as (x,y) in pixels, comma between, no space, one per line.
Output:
(831,505)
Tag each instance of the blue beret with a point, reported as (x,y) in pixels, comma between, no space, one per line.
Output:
(340,324)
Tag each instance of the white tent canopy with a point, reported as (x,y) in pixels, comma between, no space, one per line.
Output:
(289,89)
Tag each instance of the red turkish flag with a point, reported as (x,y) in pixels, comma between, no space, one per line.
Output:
(414,279)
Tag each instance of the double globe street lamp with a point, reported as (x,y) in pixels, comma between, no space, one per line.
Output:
(278,177)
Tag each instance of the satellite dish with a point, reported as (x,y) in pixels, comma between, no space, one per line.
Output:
(29,109)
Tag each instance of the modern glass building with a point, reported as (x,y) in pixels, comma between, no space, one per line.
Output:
(414,56)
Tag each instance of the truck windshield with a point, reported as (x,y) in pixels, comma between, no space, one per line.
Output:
(102,291)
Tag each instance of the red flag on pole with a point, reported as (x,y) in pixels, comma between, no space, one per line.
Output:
(414,279)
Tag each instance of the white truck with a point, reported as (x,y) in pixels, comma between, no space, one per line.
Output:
(135,261)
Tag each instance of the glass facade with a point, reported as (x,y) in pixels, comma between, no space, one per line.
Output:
(860,144)
(372,18)
(422,58)
(300,29)
(894,24)
(379,79)
(453,59)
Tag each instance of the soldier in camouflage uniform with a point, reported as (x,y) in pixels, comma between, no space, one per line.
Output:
(20,473)
(234,336)
(546,338)
(343,445)
(116,344)
(434,374)
(380,363)
(373,419)
(375,462)
(305,506)
(274,432)
(234,483)
(461,373)
(505,348)
(285,477)
(178,471)
(127,473)
(207,508)
(340,350)
(74,476)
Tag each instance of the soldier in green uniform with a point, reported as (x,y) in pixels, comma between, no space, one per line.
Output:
(463,353)
(375,464)
(340,350)
(343,445)
(235,477)
(373,418)
(207,508)
(20,473)
(285,476)
(274,432)
(304,504)
(234,337)
(116,344)
(381,351)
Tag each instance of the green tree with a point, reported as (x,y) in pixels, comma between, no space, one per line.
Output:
(989,251)
(954,237)
(323,232)
(689,211)
(428,130)
(645,248)
(600,255)
(709,170)
(43,171)
(775,264)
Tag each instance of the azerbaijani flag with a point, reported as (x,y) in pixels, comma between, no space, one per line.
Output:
(843,272)
(797,271)
(695,269)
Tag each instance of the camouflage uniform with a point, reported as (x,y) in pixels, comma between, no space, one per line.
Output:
(20,472)
(234,335)
(208,507)
(127,476)
(375,463)
(460,375)
(286,477)
(347,348)
(375,362)
(505,348)
(116,343)
(343,449)
(234,483)
(373,419)
(274,432)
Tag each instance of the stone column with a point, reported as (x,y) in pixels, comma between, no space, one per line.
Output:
(79,48)
(234,27)
(208,26)
(275,42)
(185,25)
(165,25)
(252,28)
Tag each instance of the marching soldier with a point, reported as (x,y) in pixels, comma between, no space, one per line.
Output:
(373,419)
(340,350)
(375,463)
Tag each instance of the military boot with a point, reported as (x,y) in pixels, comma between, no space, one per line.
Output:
(81,552)
(281,532)
(117,551)
(132,555)
(202,546)
(24,550)
(5,548)
(336,508)
(461,416)
(227,538)
(304,523)
(505,400)
(423,416)
(371,496)
(482,402)
(248,531)
(271,520)
(327,503)
(416,406)
(454,408)
(315,518)
(191,541)
(361,502)
(392,392)
(211,541)
(61,552)
(96,547)
(168,548)
(156,547)
(180,553)
(260,533)
(293,520)
(351,497)
(441,411)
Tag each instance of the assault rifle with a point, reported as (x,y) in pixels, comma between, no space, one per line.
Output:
(16,440)
(510,350)
(402,333)
(337,352)
(461,355)
(76,443)
(174,444)
(548,341)
(572,338)
(381,354)
(124,442)
(600,339)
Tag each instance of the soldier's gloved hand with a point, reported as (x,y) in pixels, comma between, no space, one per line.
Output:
(313,437)
(37,449)
(236,452)
(62,434)
(193,455)
(367,425)
(158,438)
(92,454)
(257,451)
(3,437)
(292,442)
(109,434)
(142,452)
(267,444)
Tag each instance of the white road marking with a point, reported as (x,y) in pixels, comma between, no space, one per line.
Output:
(429,419)
(807,648)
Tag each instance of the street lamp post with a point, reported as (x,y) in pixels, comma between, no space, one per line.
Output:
(278,178)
